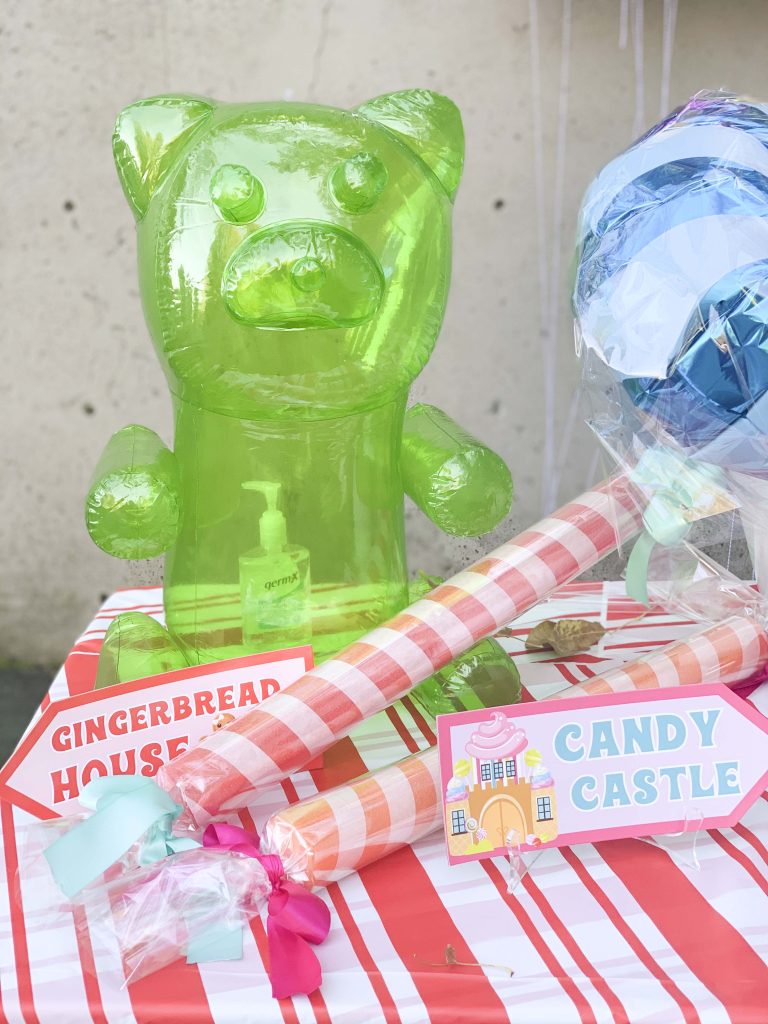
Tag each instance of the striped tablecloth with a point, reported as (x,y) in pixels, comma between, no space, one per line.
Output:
(624,931)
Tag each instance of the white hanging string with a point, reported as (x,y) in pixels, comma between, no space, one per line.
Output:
(638,30)
(538,159)
(623,24)
(541,214)
(667,46)
(550,477)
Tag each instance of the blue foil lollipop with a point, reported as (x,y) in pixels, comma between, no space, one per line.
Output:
(671,292)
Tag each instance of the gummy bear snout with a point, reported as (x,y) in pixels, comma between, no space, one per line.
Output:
(300,275)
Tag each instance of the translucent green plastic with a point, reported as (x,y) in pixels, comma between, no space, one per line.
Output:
(136,646)
(483,677)
(439,459)
(132,508)
(294,263)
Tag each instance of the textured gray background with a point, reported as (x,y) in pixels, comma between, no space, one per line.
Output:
(549,91)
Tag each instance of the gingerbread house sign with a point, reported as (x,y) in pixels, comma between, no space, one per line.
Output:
(501,796)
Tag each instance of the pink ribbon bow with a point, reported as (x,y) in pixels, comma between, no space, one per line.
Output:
(295,916)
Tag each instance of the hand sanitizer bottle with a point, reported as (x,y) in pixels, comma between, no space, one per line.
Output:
(274,582)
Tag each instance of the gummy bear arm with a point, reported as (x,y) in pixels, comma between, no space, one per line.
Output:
(459,483)
(134,501)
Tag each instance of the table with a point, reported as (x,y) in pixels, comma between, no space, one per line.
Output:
(619,932)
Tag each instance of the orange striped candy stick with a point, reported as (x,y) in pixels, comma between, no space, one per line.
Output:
(323,838)
(729,652)
(292,727)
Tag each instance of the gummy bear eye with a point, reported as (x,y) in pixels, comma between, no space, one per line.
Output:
(237,194)
(357,183)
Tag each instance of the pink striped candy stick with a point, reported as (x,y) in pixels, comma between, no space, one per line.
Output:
(292,727)
(323,838)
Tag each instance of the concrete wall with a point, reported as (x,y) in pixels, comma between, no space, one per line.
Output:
(549,91)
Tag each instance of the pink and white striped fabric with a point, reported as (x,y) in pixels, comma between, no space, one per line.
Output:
(620,932)
(293,726)
(324,838)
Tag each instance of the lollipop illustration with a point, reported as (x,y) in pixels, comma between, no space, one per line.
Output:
(671,303)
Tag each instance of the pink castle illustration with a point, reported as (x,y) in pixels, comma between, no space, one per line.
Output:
(499,797)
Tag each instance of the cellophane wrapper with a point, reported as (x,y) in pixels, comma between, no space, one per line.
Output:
(324,838)
(141,917)
(671,323)
(151,914)
(34,838)
(731,652)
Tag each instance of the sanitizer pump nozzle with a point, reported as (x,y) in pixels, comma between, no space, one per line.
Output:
(274,581)
(273,531)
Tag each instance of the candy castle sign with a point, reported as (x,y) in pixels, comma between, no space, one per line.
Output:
(592,768)
(136,727)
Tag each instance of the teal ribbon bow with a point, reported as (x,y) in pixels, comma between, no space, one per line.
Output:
(681,486)
(125,809)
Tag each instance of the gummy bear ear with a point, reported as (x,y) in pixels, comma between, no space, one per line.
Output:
(147,140)
(430,124)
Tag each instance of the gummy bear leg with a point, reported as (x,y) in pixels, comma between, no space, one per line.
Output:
(136,646)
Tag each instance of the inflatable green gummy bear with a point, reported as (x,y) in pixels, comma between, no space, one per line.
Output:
(294,263)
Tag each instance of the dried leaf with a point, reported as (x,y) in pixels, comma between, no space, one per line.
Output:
(566,636)
(574,635)
(450,954)
(541,636)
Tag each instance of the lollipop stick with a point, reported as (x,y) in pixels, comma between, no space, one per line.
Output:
(752,493)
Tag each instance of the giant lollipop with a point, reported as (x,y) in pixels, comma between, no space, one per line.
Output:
(671,296)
